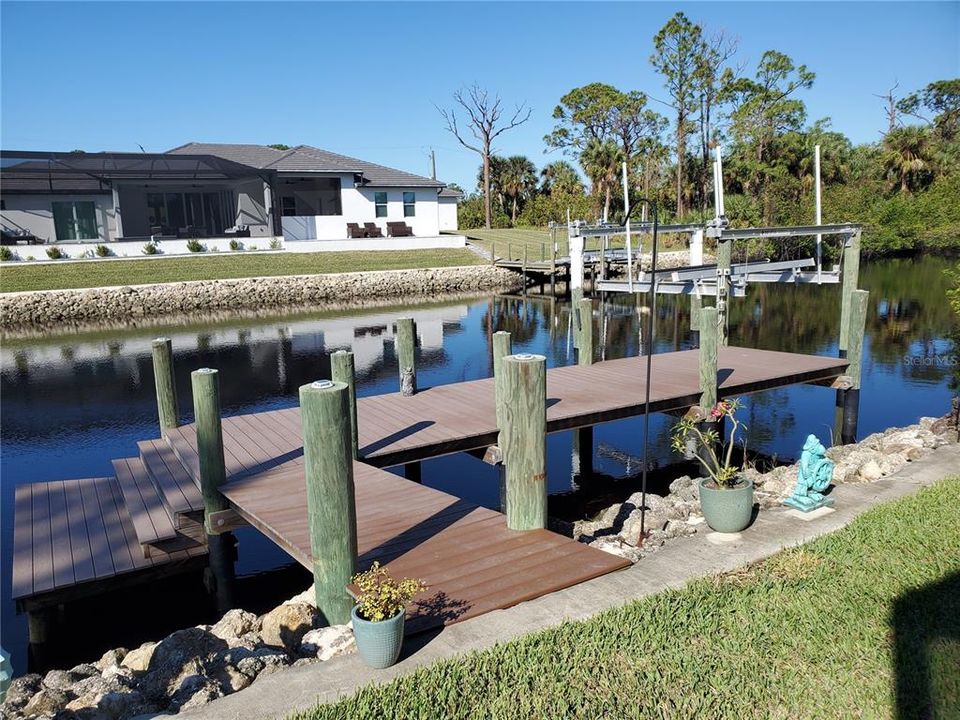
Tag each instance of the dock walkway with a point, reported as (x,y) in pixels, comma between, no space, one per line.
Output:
(470,560)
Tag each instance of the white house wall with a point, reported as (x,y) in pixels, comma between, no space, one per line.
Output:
(447,211)
(34,213)
(358,206)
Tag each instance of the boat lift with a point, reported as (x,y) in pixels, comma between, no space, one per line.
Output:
(722,279)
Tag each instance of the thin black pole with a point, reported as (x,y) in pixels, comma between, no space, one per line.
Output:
(650,338)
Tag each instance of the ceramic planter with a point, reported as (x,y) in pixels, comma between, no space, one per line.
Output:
(378,642)
(727,510)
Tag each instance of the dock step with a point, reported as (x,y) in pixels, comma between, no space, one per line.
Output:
(174,482)
(152,521)
(77,537)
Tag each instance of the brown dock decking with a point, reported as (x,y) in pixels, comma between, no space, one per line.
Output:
(74,532)
(465,553)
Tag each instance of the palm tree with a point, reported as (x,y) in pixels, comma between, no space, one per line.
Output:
(601,160)
(906,157)
(560,177)
(517,180)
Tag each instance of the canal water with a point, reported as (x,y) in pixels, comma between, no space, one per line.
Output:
(73,402)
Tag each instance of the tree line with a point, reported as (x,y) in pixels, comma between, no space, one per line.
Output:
(904,187)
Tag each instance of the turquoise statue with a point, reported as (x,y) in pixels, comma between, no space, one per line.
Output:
(813,477)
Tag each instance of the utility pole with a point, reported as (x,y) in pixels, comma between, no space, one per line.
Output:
(433,164)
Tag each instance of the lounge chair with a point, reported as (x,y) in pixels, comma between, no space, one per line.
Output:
(399,229)
(372,229)
(355,231)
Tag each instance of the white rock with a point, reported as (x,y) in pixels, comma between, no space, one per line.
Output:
(870,471)
(328,642)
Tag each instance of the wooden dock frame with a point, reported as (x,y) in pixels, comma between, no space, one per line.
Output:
(401,523)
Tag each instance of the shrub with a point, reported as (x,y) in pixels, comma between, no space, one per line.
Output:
(194,245)
(55,253)
(235,245)
(381,597)
(30,258)
(274,244)
(150,248)
(470,214)
(252,247)
(5,253)
(102,251)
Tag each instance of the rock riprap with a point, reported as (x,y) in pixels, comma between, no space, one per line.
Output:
(70,307)
(184,670)
(616,530)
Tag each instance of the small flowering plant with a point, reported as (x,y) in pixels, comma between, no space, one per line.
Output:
(381,597)
(720,467)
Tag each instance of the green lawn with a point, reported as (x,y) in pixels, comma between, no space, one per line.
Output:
(862,623)
(510,243)
(16,277)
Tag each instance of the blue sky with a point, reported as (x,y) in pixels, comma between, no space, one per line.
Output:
(363,78)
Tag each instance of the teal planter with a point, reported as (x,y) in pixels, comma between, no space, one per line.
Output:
(727,510)
(379,643)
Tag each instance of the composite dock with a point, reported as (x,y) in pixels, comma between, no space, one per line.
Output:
(74,535)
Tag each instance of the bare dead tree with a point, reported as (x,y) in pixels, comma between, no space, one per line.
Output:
(486,122)
(890,101)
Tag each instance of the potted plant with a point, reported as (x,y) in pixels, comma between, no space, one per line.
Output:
(726,497)
(379,613)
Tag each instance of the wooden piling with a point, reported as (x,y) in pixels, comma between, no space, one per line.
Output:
(582,456)
(524,273)
(167,409)
(342,370)
(523,439)
(205,383)
(857,315)
(709,339)
(695,306)
(493,253)
(553,269)
(222,579)
(724,259)
(584,324)
(850,279)
(406,341)
(502,346)
(331,502)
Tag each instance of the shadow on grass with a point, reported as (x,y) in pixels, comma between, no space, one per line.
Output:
(926,633)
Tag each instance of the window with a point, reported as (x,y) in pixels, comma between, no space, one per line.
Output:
(380,204)
(75,220)
(409,204)
(313,196)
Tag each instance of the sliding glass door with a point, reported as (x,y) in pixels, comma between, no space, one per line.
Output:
(74,220)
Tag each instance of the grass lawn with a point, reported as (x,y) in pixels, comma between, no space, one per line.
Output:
(26,276)
(510,243)
(536,240)
(862,623)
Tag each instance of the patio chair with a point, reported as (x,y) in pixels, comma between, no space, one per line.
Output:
(373,230)
(399,229)
(355,231)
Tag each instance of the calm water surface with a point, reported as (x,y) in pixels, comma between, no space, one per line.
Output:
(74,402)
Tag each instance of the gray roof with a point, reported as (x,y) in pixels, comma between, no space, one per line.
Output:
(30,171)
(305,158)
(448,192)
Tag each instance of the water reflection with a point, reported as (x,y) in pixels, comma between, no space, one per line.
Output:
(71,404)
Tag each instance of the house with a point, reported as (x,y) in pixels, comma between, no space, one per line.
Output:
(301,198)
(449,199)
